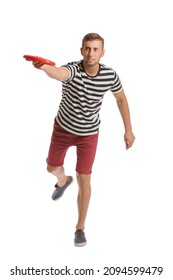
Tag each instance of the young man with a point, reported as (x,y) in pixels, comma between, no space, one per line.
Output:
(84,84)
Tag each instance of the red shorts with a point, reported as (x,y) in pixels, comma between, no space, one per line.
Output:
(62,140)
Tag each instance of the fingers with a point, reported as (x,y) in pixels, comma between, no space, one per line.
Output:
(37,64)
(129,140)
(128,144)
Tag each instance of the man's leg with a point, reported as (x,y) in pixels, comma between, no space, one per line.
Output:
(61,140)
(83,199)
(86,149)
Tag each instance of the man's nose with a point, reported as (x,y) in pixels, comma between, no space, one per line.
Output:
(90,52)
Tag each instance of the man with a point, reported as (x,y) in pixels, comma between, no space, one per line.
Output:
(84,84)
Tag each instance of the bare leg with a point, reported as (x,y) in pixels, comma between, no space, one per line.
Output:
(59,173)
(83,199)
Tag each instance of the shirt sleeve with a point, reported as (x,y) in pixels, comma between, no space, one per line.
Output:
(72,70)
(116,86)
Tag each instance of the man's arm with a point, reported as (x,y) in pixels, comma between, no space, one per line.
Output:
(125,114)
(58,73)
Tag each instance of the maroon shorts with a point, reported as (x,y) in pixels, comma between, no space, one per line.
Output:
(85,147)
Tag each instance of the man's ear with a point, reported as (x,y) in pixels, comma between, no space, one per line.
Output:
(81,51)
(103,53)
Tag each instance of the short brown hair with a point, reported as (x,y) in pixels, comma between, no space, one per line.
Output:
(92,37)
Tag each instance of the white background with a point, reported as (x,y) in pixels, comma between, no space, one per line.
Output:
(129,220)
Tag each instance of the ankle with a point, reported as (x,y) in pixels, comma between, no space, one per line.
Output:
(80,228)
(62,182)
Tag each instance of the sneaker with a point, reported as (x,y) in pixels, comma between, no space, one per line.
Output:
(80,239)
(58,192)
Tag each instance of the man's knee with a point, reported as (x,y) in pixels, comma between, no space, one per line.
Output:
(83,178)
(53,169)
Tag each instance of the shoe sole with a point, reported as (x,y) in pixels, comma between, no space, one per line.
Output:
(80,244)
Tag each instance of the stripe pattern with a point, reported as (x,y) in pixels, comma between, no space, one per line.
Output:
(82,97)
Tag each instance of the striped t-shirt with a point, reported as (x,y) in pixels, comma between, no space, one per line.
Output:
(82,96)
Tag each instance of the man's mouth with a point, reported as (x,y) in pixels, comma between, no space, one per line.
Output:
(90,59)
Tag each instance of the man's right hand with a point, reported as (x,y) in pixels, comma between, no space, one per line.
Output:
(38,65)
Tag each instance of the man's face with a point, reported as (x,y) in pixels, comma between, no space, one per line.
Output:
(92,51)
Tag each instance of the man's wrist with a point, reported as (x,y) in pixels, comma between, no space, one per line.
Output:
(128,129)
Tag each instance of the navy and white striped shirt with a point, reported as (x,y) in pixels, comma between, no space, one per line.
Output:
(82,96)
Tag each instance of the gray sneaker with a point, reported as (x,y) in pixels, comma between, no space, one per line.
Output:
(58,192)
(80,239)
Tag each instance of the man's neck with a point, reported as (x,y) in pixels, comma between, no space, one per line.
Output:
(91,70)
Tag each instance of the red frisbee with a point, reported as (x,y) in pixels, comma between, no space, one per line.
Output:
(39,59)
